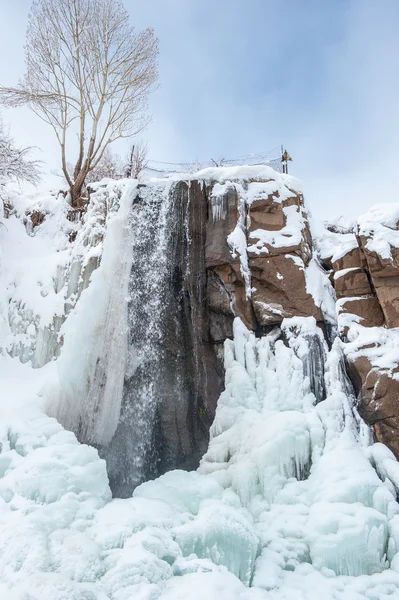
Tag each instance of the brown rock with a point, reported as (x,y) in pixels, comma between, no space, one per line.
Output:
(279,282)
(267,214)
(234,284)
(280,290)
(352,283)
(387,290)
(366,307)
(222,220)
(376,264)
(378,401)
(351,259)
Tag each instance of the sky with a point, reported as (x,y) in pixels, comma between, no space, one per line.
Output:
(245,76)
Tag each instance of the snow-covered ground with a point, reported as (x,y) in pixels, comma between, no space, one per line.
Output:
(290,500)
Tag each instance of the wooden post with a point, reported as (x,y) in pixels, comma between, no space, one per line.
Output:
(285,157)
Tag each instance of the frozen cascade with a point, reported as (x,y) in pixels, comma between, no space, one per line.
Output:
(154,222)
(171,377)
(287,459)
(310,346)
(86,397)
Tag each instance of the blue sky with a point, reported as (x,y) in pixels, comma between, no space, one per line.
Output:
(242,76)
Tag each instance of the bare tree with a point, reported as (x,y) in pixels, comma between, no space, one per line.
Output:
(137,160)
(192,167)
(87,72)
(15,164)
(110,166)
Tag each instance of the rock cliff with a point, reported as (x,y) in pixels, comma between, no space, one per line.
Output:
(363,262)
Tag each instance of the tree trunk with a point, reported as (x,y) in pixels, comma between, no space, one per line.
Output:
(76,195)
(77,187)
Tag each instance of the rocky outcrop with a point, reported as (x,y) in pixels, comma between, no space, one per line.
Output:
(364,269)
(378,393)
(258,245)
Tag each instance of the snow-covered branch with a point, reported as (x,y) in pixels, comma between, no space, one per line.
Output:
(15,164)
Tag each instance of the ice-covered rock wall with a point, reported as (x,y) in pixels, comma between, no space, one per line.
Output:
(147,288)
(362,260)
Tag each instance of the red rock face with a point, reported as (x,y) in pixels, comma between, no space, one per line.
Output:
(366,308)
(384,274)
(379,400)
(277,248)
(353,282)
(280,290)
(367,287)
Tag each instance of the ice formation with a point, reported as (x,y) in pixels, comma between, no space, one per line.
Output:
(291,500)
(92,365)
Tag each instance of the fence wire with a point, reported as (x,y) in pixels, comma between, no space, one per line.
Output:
(271,158)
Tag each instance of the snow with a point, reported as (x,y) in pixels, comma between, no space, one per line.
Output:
(237,240)
(343,272)
(320,288)
(379,345)
(34,263)
(334,246)
(379,226)
(276,503)
(291,499)
(260,173)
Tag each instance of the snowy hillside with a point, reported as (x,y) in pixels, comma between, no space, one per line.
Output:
(292,498)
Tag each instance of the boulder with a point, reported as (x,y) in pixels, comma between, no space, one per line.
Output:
(274,285)
(387,290)
(353,258)
(288,217)
(279,290)
(365,307)
(378,265)
(378,404)
(353,282)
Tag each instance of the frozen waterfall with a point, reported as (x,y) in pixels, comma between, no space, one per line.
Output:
(130,457)
(136,375)
(91,369)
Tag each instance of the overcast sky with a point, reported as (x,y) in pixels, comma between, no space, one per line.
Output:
(244,76)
